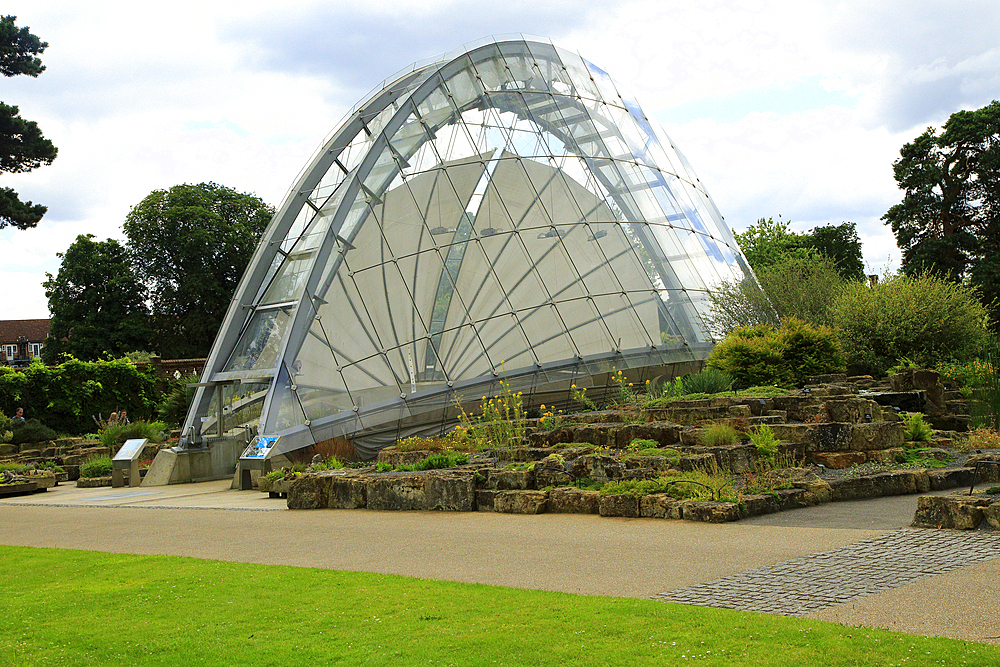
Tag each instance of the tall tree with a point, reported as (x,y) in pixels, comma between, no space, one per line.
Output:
(841,244)
(22,146)
(96,302)
(190,245)
(949,219)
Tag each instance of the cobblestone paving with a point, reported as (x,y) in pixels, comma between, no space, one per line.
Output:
(804,585)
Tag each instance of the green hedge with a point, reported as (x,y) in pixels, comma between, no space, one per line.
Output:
(65,397)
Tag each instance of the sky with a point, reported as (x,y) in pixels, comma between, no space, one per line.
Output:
(784,108)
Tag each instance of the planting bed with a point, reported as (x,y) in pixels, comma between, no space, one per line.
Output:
(840,439)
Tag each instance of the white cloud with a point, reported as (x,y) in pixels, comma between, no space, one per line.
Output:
(795,107)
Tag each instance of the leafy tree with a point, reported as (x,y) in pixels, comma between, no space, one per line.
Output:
(949,219)
(841,244)
(22,146)
(190,245)
(769,241)
(96,303)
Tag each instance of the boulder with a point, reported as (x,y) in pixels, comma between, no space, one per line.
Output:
(853,410)
(800,408)
(619,504)
(520,502)
(711,511)
(396,491)
(450,490)
(660,506)
(696,462)
(958,512)
(822,437)
(511,480)
(309,492)
(652,463)
(838,460)
(758,504)
(571,500)
(551,472)
(877,435)
(347,493)
(597,466)
(485,499)
(887,457)
(695,415)
(949,478)
(992,515)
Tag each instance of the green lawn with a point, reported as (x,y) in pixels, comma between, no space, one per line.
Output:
(66,607)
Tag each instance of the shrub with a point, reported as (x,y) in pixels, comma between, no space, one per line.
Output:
(31,430)
(917,429)
(795,286)
(115,436)
(984,437)
(66,396)
(99,466)
(173,407)
(718,435)
(762,437)
(924,318)
(762,355)
(437,462)
(709,381)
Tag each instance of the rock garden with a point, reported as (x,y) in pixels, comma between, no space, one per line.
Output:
(673,454)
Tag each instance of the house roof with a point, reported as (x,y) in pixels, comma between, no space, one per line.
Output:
(34,330)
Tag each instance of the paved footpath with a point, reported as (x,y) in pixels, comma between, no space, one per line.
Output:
(853,563)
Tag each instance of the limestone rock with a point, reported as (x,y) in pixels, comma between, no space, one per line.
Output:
(571,500)
(823,437)
(347,493)
(664,434)
(877,435)
(992,514)
(520,502)
(309,492)
(485,499)
(949,478)
(661,506)
(392,491)
(838,460)
(958,512)
(710,511)
(598,466)
(450,490)
(512,480)
(619,505)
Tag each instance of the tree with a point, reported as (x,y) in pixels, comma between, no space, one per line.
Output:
(190,245)
(96,302)
(841,244)
(769,241)
(949,219)
(22,146)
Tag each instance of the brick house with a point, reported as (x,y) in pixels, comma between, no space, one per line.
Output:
(22,340)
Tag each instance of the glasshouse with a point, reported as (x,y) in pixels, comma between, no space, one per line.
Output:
(504,213)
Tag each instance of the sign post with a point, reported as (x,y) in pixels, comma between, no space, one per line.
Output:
(127,458)
(255,458)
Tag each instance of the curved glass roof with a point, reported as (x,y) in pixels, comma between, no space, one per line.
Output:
(502,212)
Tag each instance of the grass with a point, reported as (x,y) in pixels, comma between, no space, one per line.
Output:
(87,608)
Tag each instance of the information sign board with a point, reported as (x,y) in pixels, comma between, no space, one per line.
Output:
(131,449)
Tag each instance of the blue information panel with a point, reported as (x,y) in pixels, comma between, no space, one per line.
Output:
(260,446)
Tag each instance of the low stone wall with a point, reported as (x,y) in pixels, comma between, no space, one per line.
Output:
(515,492)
